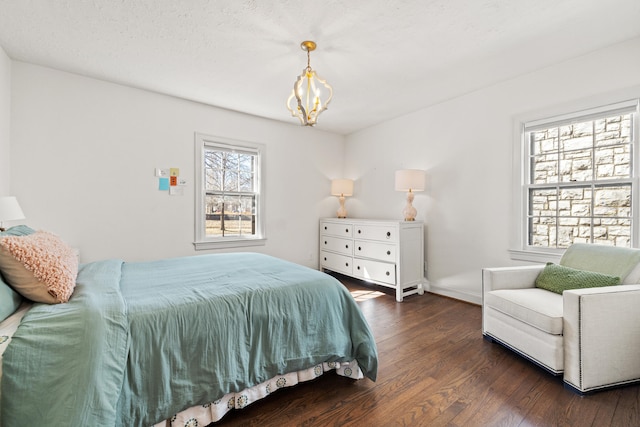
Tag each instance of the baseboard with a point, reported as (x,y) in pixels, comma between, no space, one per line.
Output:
(452,293)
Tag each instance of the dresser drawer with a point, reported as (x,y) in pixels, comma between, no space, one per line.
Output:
(385,252)
(381,251)
(376,232)
(336,244)
(336,262)
(375,270)
(336,229)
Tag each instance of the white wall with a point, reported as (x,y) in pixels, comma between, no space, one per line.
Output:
(5,121)
(83,153)
(465,145)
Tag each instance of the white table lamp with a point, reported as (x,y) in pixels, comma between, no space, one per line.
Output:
(9,210)
(410,180)
(342,188)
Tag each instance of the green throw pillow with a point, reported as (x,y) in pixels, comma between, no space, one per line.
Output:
(557,278)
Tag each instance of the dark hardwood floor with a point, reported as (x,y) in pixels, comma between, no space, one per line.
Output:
(436,370)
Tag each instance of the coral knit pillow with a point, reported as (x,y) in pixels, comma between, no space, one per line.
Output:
(40,266)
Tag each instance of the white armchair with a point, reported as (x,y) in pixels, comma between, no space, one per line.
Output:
(590,336)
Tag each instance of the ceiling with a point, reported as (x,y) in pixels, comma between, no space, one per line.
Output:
(384,58)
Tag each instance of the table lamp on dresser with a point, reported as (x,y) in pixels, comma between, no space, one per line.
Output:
(410,180)
(342,188)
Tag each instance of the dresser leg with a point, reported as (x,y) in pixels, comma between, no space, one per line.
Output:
(399,294)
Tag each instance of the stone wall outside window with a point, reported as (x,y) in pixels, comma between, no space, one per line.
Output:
(576,198)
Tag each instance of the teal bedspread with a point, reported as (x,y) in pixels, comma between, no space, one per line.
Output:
(139,342)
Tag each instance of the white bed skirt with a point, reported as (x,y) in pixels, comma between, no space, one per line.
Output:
(199,416)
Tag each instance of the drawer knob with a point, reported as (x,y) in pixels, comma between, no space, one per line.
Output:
(346,230)
(388,234)
(325,227)
(388,252)
(359,248)
(358,267)
(388,273)
(347,264)
(325,258)
(346,246)
(325,242)
(359,231)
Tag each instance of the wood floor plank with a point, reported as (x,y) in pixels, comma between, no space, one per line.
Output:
(627,411)
(486,405)
(436,370)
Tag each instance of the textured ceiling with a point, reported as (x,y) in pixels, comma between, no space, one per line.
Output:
(384,58)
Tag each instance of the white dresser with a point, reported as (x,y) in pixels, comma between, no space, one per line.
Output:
(388,253)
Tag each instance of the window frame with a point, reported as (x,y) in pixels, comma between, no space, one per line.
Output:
(202,241)
(520,248)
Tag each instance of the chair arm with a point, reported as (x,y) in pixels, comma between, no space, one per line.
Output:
(601,336)
(510,277)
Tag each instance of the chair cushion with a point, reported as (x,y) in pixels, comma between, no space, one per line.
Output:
(633,277)
(558,278)
(611,260)
(537,307)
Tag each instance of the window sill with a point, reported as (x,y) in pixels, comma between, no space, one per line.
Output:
(222,244)
(531,256)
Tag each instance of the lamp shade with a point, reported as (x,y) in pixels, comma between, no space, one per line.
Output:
(342,187)
(10,209)
(410,180)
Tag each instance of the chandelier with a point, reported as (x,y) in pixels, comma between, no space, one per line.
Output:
(306,92)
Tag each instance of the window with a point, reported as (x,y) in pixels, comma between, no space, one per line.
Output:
(579,178)
(228,193)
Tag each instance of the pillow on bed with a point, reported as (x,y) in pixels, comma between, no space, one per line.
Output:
(10,300)
(18,230)
(40,266)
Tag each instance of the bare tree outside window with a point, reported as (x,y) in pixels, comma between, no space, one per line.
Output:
(229,202)
(230,192)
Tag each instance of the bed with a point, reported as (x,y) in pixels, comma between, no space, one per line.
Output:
(178,342)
